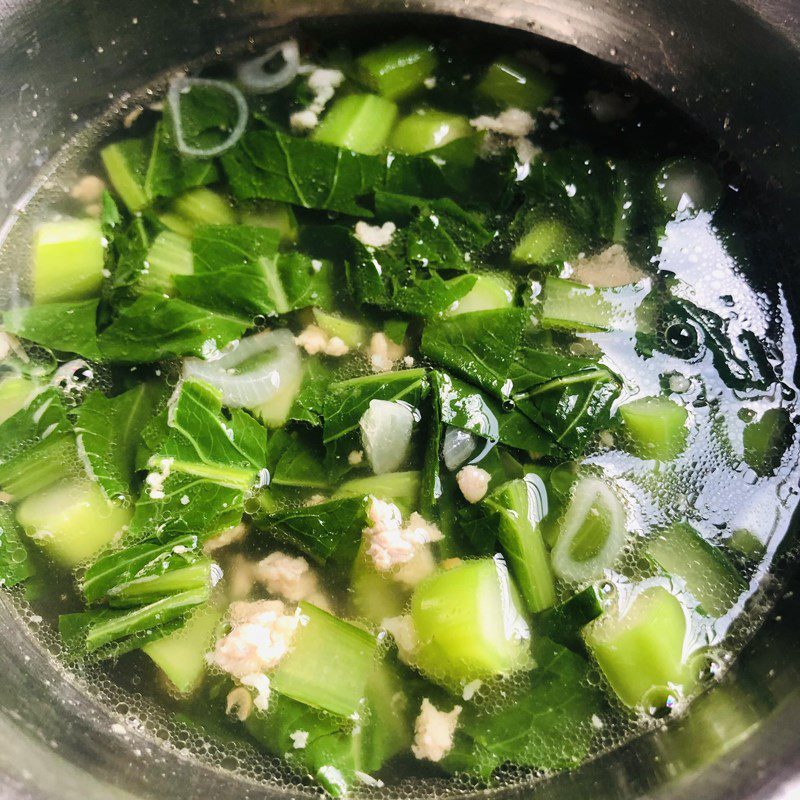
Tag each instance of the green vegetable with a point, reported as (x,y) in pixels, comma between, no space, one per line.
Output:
(63,327)
(346,402)
(239,272)
(204,464)
(513,84)
(270,165)
(169,255)
(656,427)
(592,532)
(72,521)
(68,261)
(468,623)
(16,391)
(15,566)
(126,629)
(488,293)
(640,649)
(126,167)
(563,623)
(766,439)
(521,505)
(278,216)
(37,446)
(549,241)
(400,488)
(352,333)
(198,207)
(358,122)
(326,531)
(544,722)
(681,552)
(178,573)
(124,566)
(108,431)
(329,663)
(181,655)
(463,406)
(398,69)
(478,346)
(571,306)
(426,129)
(375,596)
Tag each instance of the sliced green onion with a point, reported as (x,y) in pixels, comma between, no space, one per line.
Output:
(253,76)
(254,372)
(182,85)
(592,533)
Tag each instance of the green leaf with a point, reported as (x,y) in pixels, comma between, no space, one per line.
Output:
(326,531)
(108,633)
(442,235)
(238,271)
(546,724)
(479,346)
(124,565)
(347,401)
(269,164)
(155,327)
(14,564)
(301,464)
(108,431)
(310,401)
(63,327)
(383,277)
(468,408)
(209,462)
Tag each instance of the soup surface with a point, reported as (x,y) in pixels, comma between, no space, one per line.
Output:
(395,410)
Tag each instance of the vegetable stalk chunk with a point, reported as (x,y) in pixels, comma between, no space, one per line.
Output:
(329,664)
(426,129)
(707,572)
(469,623)
(640,649)
(358,122)
(181,655)
(656,427)
(513,84)
(72,521)
(397,69)
(68,261)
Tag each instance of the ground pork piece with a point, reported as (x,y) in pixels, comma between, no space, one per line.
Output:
(434,731)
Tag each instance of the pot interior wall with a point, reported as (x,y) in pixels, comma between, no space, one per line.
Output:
(65,62)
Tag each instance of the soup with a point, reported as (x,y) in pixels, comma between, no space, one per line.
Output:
(403,409)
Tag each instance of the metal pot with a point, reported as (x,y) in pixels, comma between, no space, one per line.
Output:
(733,65)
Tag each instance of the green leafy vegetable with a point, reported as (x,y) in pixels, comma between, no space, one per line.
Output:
(201,470)
(330,530)
(108,431)
(14,564)
(546,724)
(271,165)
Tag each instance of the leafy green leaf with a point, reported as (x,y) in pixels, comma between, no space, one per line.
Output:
(14,564)
(124,565)
(325,531)
(207,463)
(310,401)
(468,408)
(269,164)
(546,724)
(479,346)
(155,327)
(441,234)
(108,633)
(302,464)
(238,271)
(108,431)
(384,277)
(64,327)
(347,401)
